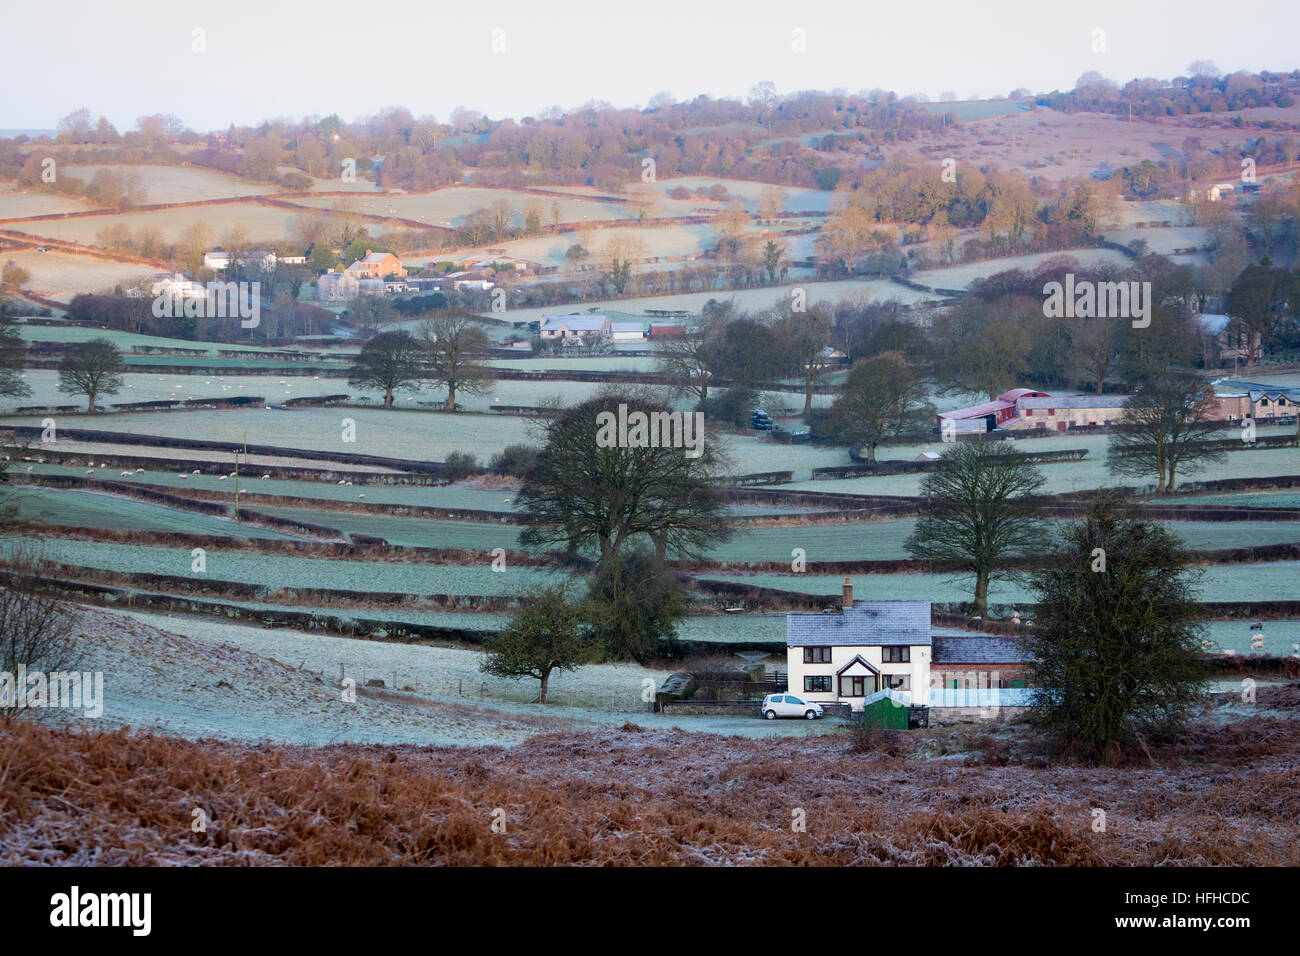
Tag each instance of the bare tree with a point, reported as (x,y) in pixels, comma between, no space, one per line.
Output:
(35,630)
(690,358)
(388,361)
(450,342)
(978,508)
(92,369)
(585,490)
(883,400)
(1165,426)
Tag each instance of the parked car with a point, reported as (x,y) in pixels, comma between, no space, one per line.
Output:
(788,705)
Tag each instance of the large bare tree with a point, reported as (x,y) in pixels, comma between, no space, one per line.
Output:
(978,507)
(450,342)
(92,369)
(585,492)
(388,361)
(1165,426)
(883,400)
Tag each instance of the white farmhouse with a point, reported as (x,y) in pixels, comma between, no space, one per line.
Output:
(868,647)
(575,326)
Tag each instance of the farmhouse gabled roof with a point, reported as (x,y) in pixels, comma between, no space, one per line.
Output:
(858,659)
(578,323)
(866,624)
(1075,401)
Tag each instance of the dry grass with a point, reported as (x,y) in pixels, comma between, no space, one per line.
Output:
(636,796)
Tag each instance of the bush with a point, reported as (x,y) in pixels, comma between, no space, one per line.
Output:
(732,406)
(35,630)
(514,460)
(460,464)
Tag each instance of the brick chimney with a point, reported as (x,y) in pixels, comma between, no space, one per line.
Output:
(847,603)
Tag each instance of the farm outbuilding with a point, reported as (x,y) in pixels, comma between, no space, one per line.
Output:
(1070,411)
(991,414)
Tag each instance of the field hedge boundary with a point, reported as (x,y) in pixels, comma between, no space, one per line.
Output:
(33,432)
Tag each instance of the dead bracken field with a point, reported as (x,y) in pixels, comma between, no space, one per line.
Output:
(1223,793)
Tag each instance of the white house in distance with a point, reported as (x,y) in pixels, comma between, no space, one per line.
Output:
(575,326)
(869,646)
(220,261)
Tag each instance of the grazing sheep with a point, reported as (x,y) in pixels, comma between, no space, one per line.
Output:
(194,472)
(125,474)
(90,471)
(223,478)
(361,496)
(342,482)
(182,477)
(264,477)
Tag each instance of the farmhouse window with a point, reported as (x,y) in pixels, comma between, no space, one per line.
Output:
(814,684)
(898,681)
(896,655)
(816,655)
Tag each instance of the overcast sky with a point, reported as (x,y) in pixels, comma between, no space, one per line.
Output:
(272,58)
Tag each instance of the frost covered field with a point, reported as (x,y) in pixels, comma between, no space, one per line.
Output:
(61,276)
(283,685)
(167,184)
(422,436)
(276,571)
(449,207)
(262,222)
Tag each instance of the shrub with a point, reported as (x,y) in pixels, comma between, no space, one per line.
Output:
(514,460)
(35,630)
(731,406)
(460,464)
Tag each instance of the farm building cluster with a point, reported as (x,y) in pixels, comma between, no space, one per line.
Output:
(1025,408)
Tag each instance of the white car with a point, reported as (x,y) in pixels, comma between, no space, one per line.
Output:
(788,705)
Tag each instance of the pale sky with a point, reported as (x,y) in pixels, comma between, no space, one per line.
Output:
(275,59)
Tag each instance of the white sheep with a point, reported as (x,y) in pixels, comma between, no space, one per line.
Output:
(223,478)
